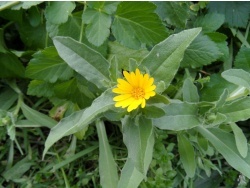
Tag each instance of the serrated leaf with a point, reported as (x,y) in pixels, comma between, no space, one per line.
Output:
(238,110)
(37,117)
(48,66)
(84,60)
(107,165)
(202,51)
(187,155)
(240,140)
(164,59)
(58,12)
(98,28)
(210,22)
(25,5)
(139,140)
(190,92)
(136,25)
(225,144)
(108,7)
(178,116)
(236,13)
(79,119)
(174,13)
(40,88)
(10,66)
(242,59)
(237,76)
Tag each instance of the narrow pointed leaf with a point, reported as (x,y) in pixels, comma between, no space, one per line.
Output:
(84,60)
(187,155)
(225,144)
(107,165)
(80,119)
(164,59)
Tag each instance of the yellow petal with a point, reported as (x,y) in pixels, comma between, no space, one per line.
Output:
(149,94)
(124,84)
(150,88)
(124,103)
(119,91)
(134,105)
(121,97)
(143,104)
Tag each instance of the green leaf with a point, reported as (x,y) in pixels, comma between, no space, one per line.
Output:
(3,48)
(40,88)
(238,110)
(84,60)
(139,140)
(114,70)
(174,13)
(58,12)
(240,139)
(210,22)
(225,144)
(187,155)
(108,7)
(164,59)
(179,116)
(136,25)
(242,59)
(152,111)
(190,92)
(10,66)
(70,90)
(79,119)
(37,117)
(18,169)
(236,13)
(48,66)
(107,165)
(26,5)
(124,54)
(7,98)
(98,28)
(238,77)
(202,51)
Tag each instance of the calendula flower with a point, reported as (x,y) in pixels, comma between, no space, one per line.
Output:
(134,91)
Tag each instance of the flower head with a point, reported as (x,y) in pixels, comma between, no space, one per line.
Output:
(133,91)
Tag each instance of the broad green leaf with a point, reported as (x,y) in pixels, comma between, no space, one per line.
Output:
(98,28)
(240,139)
(187,155)
(34,15)
(174,13)
(58,12)
(37,117)
(235,12)
(225,144)
(79,119)
(40,88)
(136,25)
(84,60)
(108,7)
(70,90)
(123,54)
(164,59)
(10,66)
(202,51)
(238,110)
(3,48)
(152,111)
(179,116)
(48,66)
(242,59)
(210,22)
(237,76)
(138,136)
(107,165)
(190,92)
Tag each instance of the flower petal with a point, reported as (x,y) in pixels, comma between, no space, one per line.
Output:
(149,94)
(124,103)
(134,105)
(121,97)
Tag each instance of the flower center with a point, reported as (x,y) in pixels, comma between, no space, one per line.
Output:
(138,93)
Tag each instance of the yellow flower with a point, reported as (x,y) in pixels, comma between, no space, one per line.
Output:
(133,91)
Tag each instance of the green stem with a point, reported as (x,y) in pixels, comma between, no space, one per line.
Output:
(8,5)
(67,185)
(82,24)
